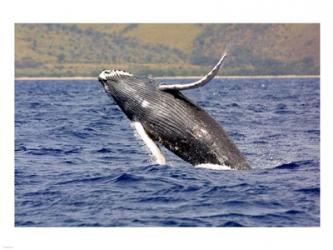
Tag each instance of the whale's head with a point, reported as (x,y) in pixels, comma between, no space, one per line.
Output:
(128,91)
(111,79)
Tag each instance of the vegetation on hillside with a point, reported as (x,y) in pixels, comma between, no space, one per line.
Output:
(165,49)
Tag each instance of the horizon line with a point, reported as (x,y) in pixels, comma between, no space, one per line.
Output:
(171,77)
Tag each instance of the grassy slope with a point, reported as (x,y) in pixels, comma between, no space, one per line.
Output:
(165,49)
(178,36)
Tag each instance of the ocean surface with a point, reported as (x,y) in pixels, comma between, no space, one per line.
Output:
(78,162)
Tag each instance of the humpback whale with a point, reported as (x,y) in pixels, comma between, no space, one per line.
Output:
(163,115)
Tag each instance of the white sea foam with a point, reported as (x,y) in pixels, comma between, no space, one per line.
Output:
(213,166)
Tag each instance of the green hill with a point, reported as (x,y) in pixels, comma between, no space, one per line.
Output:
(165,49)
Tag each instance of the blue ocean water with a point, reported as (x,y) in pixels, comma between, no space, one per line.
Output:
(79,163)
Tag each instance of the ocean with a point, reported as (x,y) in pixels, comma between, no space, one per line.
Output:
(78,162)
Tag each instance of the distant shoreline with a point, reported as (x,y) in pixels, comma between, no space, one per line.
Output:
(172,77)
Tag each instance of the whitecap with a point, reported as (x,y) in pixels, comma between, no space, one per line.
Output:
(213,166)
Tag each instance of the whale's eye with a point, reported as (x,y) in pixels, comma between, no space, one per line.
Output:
(107,72)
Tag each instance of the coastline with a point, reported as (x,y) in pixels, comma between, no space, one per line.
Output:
(170,77)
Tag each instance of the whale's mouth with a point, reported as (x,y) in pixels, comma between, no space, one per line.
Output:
(102,81)
(104,85)
(102,77)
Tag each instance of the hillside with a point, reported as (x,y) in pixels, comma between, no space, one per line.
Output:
(165,49)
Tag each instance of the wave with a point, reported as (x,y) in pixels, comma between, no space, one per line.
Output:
(315,191)
(231,224)
(104,150)
(25,224)
(99,179)
(45,151)
(294,164)
(126,178)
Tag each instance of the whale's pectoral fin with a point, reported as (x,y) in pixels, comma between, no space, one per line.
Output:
(153,147)
(198,83)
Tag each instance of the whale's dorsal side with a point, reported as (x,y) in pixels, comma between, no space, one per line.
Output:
(207,78)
